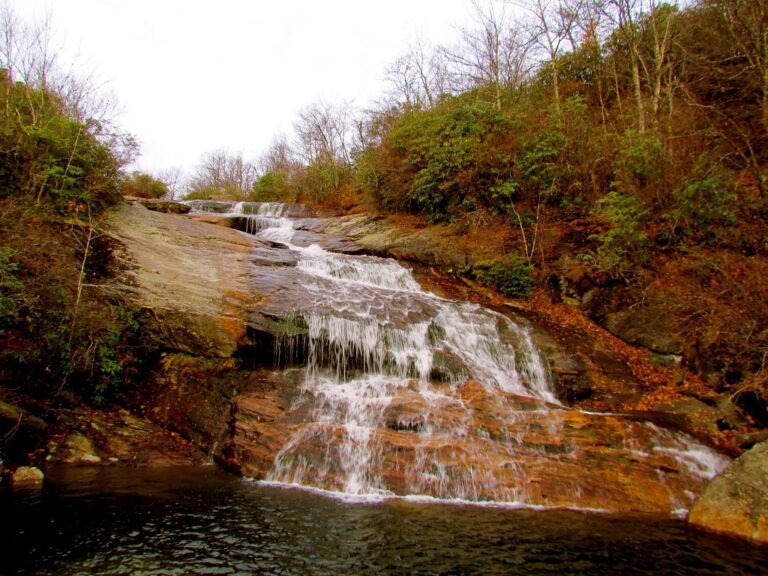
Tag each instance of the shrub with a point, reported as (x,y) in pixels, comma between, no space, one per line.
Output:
(271,187)
(10,286)
(510,275)
(705,207)
(624,242)
(144,186)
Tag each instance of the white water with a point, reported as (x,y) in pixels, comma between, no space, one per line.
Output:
(382,354)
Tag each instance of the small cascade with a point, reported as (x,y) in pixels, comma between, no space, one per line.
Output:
(407,393)
(256,216)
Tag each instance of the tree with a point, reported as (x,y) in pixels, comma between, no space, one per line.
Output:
(553,23)
(747,24)
(173,178)
(221,173)
(493,52)
(324,133)
(28,54)
(278,157)
(418,77)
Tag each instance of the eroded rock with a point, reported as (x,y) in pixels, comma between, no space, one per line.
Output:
(736,502)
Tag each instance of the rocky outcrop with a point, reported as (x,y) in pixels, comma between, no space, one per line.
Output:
(88,437)
(379,236)
(736,502)
(27,478)
(192,278)
(229,308)
(159,205)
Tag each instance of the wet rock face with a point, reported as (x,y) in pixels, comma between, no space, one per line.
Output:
(192,396)
(510,449)
(736,502)
(231,309)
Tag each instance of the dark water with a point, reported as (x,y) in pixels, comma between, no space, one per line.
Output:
(201,521)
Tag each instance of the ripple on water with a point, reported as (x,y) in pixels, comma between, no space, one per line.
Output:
(204,522)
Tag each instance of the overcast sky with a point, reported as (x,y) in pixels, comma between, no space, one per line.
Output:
(193,76)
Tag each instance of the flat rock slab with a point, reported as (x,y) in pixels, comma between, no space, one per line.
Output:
(191,276)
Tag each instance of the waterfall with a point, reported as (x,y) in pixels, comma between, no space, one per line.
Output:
(408,393)
(376,338)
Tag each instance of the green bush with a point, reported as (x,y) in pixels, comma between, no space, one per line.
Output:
(640,165)
(144,186)
(271,187)
(10,287)
(510,275)
(624,242)
(705,207)
(48,157)
(439,157)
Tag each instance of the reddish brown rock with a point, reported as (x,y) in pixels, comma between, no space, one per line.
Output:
(483,445)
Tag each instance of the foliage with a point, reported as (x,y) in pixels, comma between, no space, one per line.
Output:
(443,155)
(10,287)
(624,242)
(705,208)
(271,187)
(222,174)
(640,164)
(510,275)
(47,155)
(144,186)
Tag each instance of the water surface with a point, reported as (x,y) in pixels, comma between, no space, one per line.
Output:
(202,521)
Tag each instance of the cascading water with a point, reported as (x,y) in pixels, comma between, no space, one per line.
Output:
(407,393)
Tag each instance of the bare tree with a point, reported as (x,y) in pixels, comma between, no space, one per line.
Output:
(25,51)
(493,51)
(323,132)
(552,25)
(418,77)
(624,15)
(660,20)
(747,22)
(28,54)
(173,178)
(224,174)
(278,157)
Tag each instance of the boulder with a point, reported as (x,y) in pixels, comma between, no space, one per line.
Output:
(78,449)
(648,326)
(27,478)
(21,432)
(736,501)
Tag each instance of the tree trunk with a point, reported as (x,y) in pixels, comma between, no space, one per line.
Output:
(638,94)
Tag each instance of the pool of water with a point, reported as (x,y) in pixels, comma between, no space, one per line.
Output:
(203,521)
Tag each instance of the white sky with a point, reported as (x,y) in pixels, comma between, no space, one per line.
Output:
(195,76)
